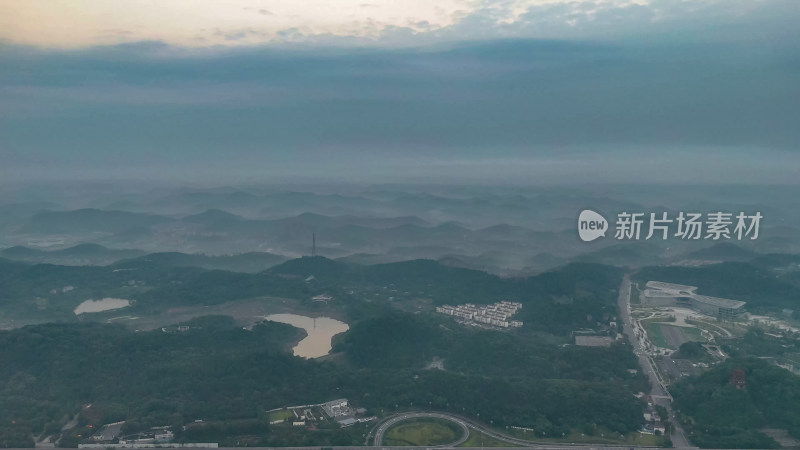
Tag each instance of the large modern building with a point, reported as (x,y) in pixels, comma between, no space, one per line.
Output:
(658,293)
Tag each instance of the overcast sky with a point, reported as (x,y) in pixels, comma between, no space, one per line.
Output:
(414,90)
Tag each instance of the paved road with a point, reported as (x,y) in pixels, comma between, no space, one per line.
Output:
(540,447)
(659,392)
(407,416)
(467,424)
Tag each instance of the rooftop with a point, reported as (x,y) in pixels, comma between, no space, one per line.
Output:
(659,289)
(660,293)
(721,302)
(660,285)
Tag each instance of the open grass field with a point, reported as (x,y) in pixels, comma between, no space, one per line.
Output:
(655,334)
(671,336)
(280,415)
(721,329)
(676,336)
(422,432)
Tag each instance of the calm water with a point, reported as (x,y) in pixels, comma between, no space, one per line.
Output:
(320,331)
(106,304)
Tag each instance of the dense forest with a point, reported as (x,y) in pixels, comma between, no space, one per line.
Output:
(717,414)
(228,376)
(576,295)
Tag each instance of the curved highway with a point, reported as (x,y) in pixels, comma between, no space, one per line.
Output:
(467,424)
(393,420)
(659,392)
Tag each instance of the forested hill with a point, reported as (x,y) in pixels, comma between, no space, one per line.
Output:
(559,300)
(722,416)
(218,372)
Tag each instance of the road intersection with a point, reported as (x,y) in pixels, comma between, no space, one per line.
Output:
(659,391)
(466,425)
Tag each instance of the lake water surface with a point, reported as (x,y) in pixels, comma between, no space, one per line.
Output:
(106,304)
(320,331)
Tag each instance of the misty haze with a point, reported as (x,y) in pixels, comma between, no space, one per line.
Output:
(417,224)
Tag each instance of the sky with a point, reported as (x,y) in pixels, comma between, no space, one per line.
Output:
(520,91)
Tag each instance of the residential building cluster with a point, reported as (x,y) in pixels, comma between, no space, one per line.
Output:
(498,314)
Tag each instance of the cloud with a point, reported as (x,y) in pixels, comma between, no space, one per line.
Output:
(467,99)
(189,23)
(453,91)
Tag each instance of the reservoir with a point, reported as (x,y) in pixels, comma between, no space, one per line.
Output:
(106,304)
(320,331)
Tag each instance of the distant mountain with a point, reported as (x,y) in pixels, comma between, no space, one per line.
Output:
(722,251)
(338,204)
(777,261)
(214,219)
(270,205)
(89,220)
(10,269)
(420,252)
(493,261)
(409,232)
(235,199)
(26,208)
(252,262)
(336,235)
(124,205)
(504,231)
(13,216)
(633,254)
(545,260)
(313,220)
(308,220)
(383,222)
(132,234)
(459,261)
(452,226)
(427,278)
(82,254)
(155,287)
(87,250)
(769,243)
(424,200)
(19,252)
(367,259)
(318,266)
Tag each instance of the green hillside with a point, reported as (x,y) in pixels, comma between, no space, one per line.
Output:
(719,415)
